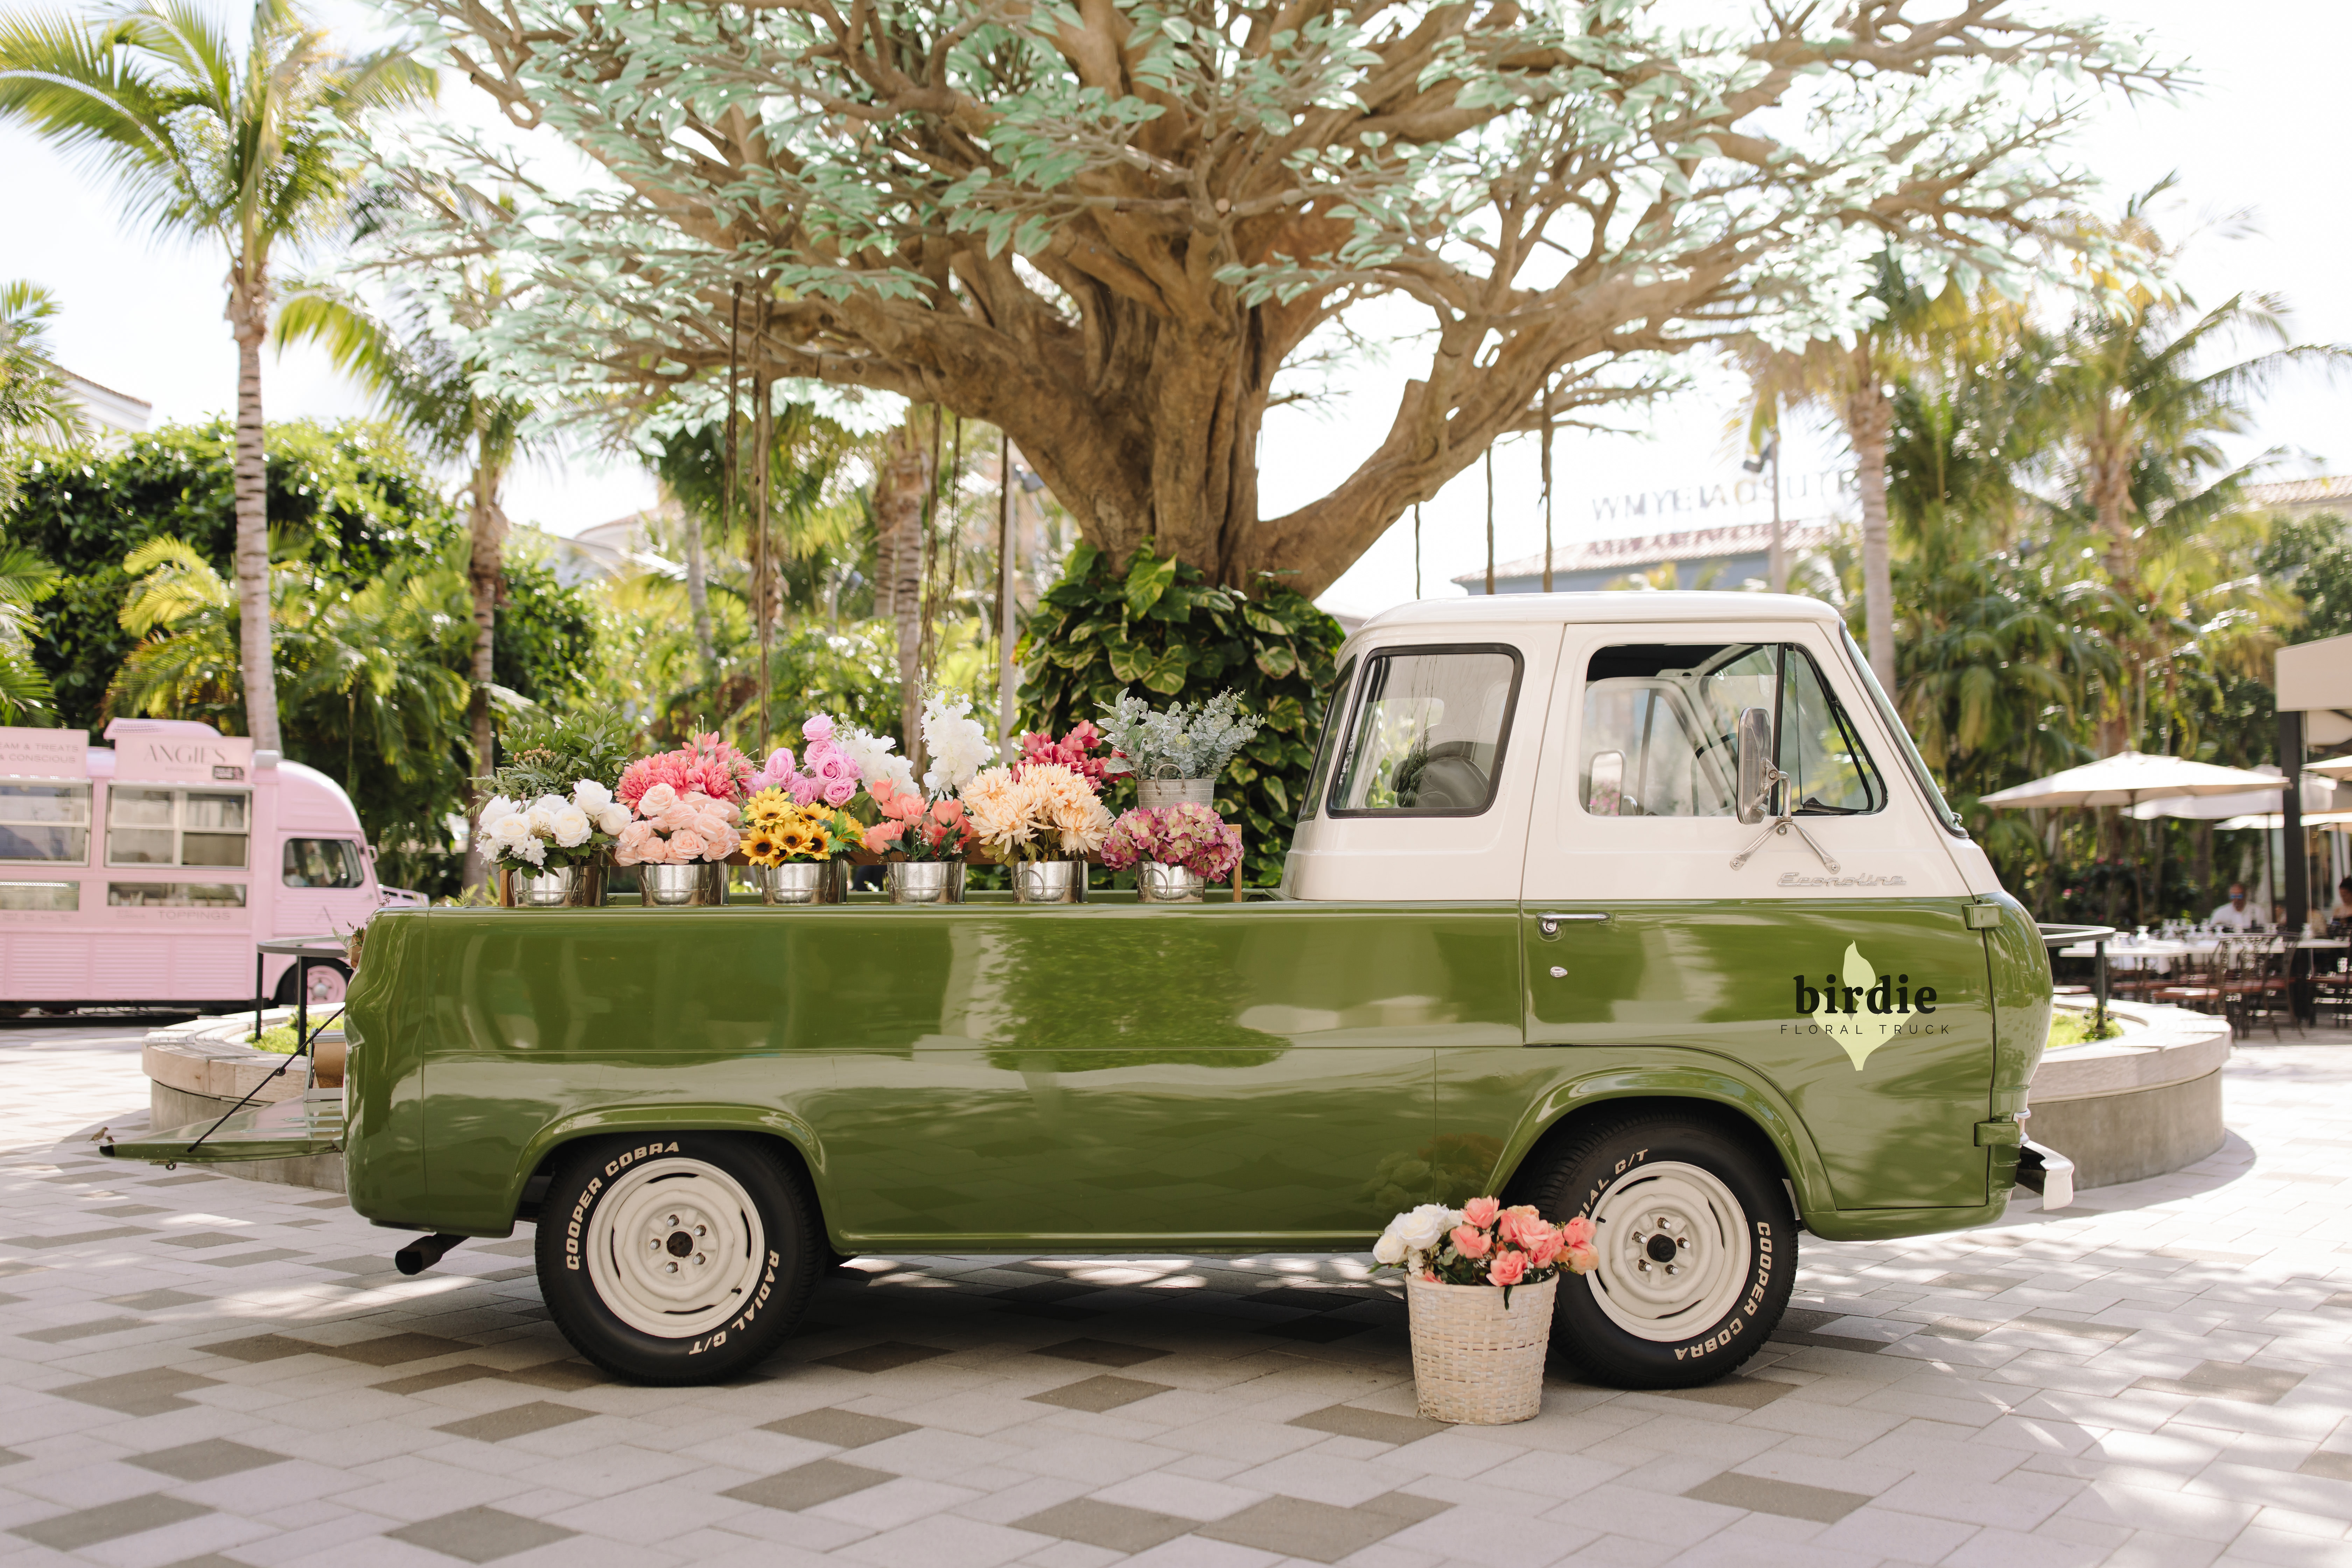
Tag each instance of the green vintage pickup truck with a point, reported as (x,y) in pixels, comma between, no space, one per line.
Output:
(1640,907)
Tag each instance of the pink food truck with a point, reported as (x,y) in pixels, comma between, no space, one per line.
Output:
(145,873)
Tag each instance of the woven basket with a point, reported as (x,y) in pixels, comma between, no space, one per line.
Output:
(1476,1361)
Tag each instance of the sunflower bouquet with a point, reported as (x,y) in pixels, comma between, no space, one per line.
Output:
(777,829)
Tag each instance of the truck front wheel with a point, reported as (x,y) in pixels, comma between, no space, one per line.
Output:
(679,1259)
(1697,1245)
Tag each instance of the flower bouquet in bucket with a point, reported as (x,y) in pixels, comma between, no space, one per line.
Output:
(685,819)
(1175,851)
(1478,1353)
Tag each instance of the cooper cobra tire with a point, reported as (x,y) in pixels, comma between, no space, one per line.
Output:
(1697,1244)
(676,1259)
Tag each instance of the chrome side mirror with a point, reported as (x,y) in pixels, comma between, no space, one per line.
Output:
(1604,794)
(1757,773)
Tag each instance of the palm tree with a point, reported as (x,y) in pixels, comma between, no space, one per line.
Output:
(422,382)
(211,142)
(1857,382)
(34,403)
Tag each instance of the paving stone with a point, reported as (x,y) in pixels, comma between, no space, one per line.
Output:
(805,1486)
(2227,1380)
(109,1522)
(262,1347)
(1106,1524)
(392,1350)
(1373,1425)
(201,1238)
(480,1534)
(207,1460)
(515,1421)
(75,1239)
(149,1392)
(1100,1394)
(65,1333)
(1102,1352)
(1739,1393)
(156,1301)
(1788,1498)
(888,1356)
(842,1428)
(1318,1531)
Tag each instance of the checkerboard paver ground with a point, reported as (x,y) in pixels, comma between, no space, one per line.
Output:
(198,1370)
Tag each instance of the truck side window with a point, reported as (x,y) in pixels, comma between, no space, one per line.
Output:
(1327,743)
(1661,720)
(1829,772)
(174,827)
(45,821)
(1426,734)
(1660,726)
(322,863)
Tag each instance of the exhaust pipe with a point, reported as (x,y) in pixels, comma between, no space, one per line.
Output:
(2043,1168)
(424,1252)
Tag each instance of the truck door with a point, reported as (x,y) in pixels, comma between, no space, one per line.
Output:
(1824,950)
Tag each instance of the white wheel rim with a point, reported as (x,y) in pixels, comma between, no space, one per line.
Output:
(675,1248)
(1648,1210)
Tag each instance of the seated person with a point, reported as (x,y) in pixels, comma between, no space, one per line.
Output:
(2236,914)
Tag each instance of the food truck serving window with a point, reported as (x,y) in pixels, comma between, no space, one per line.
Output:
(44,822)
(322,863)
(54,897)
(175,826)
(176,895)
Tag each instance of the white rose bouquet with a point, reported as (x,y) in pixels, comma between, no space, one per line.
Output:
(552,831)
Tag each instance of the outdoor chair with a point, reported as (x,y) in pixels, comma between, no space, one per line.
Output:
(2256,988)
(2196,983)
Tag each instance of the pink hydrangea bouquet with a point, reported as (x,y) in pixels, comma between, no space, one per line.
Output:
(1189,836)
(823,772)
(1039,811)
(1482,1243)
(675,827)
(705,765)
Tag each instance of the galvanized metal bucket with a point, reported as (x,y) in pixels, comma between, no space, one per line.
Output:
(924,881)
(563,886)
(673,887)
(1049,881)
(1152,793)
(796,882)
(1158,884)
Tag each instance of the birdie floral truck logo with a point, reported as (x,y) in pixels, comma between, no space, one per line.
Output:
(1861,1009)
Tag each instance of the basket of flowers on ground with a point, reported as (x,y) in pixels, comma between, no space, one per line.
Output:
(1479,1284)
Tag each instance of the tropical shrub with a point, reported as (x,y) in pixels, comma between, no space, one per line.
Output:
(1162,628)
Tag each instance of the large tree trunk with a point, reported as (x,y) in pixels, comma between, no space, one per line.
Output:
(1869,414)
(486,572)
(898,492)
(248,318)
(697,595)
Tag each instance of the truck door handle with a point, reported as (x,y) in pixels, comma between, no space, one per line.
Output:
(1550,923)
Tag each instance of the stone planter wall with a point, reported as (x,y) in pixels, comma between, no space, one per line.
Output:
(2137,1106)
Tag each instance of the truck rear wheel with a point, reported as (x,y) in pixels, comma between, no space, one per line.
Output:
(681,1258)
(1697,1245)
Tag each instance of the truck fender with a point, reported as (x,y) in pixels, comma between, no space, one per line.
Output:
(652,1120)
(1690,1074)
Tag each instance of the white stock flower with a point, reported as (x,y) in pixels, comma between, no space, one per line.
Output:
(1425,1226)
(959,747)
(611,818)
(591,796)
(573,828)
(533,850)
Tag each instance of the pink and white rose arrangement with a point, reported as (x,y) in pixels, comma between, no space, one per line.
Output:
(825,772)
(1482,1243)
(677,828)
(917,828)
(1189,836)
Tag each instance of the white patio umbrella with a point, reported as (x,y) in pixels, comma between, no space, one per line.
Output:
(2214,808)
(2127,778)
(2341,821)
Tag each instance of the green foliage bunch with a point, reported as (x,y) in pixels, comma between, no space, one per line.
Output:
(546,751)
(1163,626)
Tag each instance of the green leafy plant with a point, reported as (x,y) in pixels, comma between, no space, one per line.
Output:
(547,751)
(1163,626)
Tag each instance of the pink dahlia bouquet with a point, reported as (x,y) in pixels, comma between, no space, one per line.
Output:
(706,765)
(1040,811)
(676,828)
(1482,1243)
(1192,836)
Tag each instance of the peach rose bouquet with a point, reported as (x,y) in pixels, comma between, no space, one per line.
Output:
(1482,1243)
(675,827)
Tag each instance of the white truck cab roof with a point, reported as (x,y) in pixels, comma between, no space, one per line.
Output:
(1581,745)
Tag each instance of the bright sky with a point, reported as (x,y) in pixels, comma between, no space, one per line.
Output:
(146,320)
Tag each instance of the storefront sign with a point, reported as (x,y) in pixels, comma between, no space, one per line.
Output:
(45,753)
(184,759)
